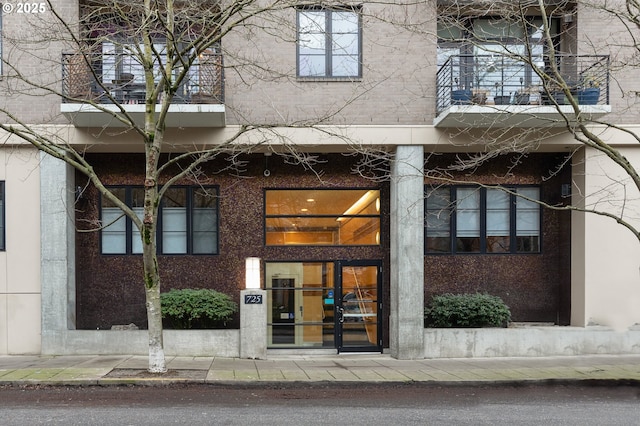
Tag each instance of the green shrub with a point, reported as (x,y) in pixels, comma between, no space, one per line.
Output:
(196,308)
(466,310)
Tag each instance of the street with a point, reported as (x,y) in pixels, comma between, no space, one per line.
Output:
(321,404)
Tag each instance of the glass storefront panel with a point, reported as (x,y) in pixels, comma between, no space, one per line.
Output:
(322,217)
(300,311)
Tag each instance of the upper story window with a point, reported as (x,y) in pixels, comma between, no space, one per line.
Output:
(322,217)
(3,246)
(465,219)
(329,43)
(109,66)
(483,53)
(187,221)
(120,62)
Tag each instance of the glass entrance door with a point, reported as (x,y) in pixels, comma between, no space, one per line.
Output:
(324,305)
(358,309)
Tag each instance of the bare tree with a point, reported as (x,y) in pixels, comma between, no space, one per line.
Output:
(531,49)
(175,49)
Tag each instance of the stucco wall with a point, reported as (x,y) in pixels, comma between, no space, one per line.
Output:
(610,260)
(20,262)
(32,44)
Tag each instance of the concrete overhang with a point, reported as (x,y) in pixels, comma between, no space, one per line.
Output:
(179,115)
(519,116)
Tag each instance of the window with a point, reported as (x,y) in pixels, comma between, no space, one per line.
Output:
(482,220)
(322,217)
(121,59)
(483,53)
(329,43)
(187,221)
(2,215)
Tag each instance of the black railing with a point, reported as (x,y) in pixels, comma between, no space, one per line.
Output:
(119,78)
(500,79)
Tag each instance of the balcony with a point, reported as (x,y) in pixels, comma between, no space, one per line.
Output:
(99,86)
(501,91)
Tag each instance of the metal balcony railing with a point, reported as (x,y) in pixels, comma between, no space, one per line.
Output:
(110,78)
(500,79)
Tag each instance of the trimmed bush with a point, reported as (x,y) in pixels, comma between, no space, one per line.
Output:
(466,311)
(196,308)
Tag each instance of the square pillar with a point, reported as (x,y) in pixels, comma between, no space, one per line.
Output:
(406,321)
(253,324)
(57,201)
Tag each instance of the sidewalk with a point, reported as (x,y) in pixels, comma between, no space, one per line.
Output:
(354,368)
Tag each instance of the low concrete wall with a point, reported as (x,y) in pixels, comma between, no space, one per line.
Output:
(222,343)
(528,342)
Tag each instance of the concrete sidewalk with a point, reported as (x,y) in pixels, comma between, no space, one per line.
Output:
(354,368)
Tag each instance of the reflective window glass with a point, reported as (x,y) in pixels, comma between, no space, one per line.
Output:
(322,217)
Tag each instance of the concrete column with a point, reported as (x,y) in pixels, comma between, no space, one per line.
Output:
(578,241)
(57,208)
(406,322)
(253,324)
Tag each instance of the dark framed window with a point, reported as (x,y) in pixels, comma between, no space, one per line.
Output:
(482,53)
(470,219)
(3,245)
(187,221)
(321,217)
(329,43)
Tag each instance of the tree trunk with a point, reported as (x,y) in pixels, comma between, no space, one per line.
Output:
(157,362)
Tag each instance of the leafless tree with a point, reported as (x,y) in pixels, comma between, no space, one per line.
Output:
(176,49)
(561,63)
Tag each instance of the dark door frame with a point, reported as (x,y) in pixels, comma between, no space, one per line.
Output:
(339,309)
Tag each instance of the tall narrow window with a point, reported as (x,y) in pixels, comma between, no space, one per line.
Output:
(528,220)
(329,43)
(498,221)
(137,204)
(114,233)
(205,221)
(174,221)
(438,217)
(468,220)
(2,215)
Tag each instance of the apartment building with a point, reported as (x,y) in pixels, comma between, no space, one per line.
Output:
(436,163)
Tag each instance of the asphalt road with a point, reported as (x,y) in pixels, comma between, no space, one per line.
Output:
(412,404)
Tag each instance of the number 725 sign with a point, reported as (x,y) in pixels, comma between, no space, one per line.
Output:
(253,299)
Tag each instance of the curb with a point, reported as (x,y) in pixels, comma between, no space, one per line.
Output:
(162,381)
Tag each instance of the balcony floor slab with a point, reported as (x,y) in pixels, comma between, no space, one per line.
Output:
(179,115)
(520,116)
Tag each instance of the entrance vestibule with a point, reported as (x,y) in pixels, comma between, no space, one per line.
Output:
(324,305)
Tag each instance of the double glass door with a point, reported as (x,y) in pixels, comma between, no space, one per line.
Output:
(324,305)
